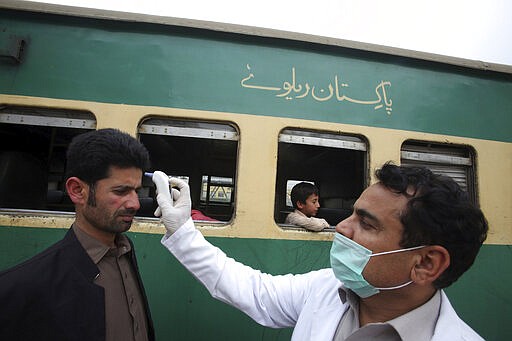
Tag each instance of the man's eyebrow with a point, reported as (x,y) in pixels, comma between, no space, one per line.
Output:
(124,187)
(365,214)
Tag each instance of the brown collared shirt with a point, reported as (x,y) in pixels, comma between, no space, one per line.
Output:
(125,315)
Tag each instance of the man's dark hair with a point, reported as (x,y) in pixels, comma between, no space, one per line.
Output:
(438,212)
(90,155)
(301,191)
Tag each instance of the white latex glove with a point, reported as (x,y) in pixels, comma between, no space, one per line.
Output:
(173,211)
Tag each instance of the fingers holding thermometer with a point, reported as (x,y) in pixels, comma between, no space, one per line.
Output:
(174,204)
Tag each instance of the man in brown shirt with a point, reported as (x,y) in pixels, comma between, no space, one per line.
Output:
(124,305)
(86,286)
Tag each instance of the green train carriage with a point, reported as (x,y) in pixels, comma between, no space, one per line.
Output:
(242,114)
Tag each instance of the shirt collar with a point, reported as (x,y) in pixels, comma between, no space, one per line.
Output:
(96,249)
(425,315)
(348,296)
(406,325)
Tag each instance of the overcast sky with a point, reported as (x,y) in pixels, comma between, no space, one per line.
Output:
(471,29)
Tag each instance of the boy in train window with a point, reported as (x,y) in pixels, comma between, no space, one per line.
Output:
(305,200)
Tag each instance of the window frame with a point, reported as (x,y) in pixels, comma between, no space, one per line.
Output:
(55,127)
(332,143)
(196,130)
(456,161)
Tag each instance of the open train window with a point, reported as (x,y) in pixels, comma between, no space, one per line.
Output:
(33,155)
(335,163)
(205,152)
(451,160)
(216,189)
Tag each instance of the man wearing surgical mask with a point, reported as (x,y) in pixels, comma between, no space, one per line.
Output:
(410,235)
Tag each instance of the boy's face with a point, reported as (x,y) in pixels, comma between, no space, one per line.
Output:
(310,208)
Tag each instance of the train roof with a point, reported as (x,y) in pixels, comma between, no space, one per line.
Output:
(250,31)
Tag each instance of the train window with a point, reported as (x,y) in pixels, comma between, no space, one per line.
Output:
(216,189)
(335,163)
(33,156)
(455,161)
(205,152)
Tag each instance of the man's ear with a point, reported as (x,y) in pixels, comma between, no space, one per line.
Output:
(77,190)
(431,262)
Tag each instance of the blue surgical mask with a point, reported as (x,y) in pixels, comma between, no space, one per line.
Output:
(348,260)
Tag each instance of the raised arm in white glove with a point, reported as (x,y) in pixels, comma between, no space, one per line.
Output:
(173,210)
